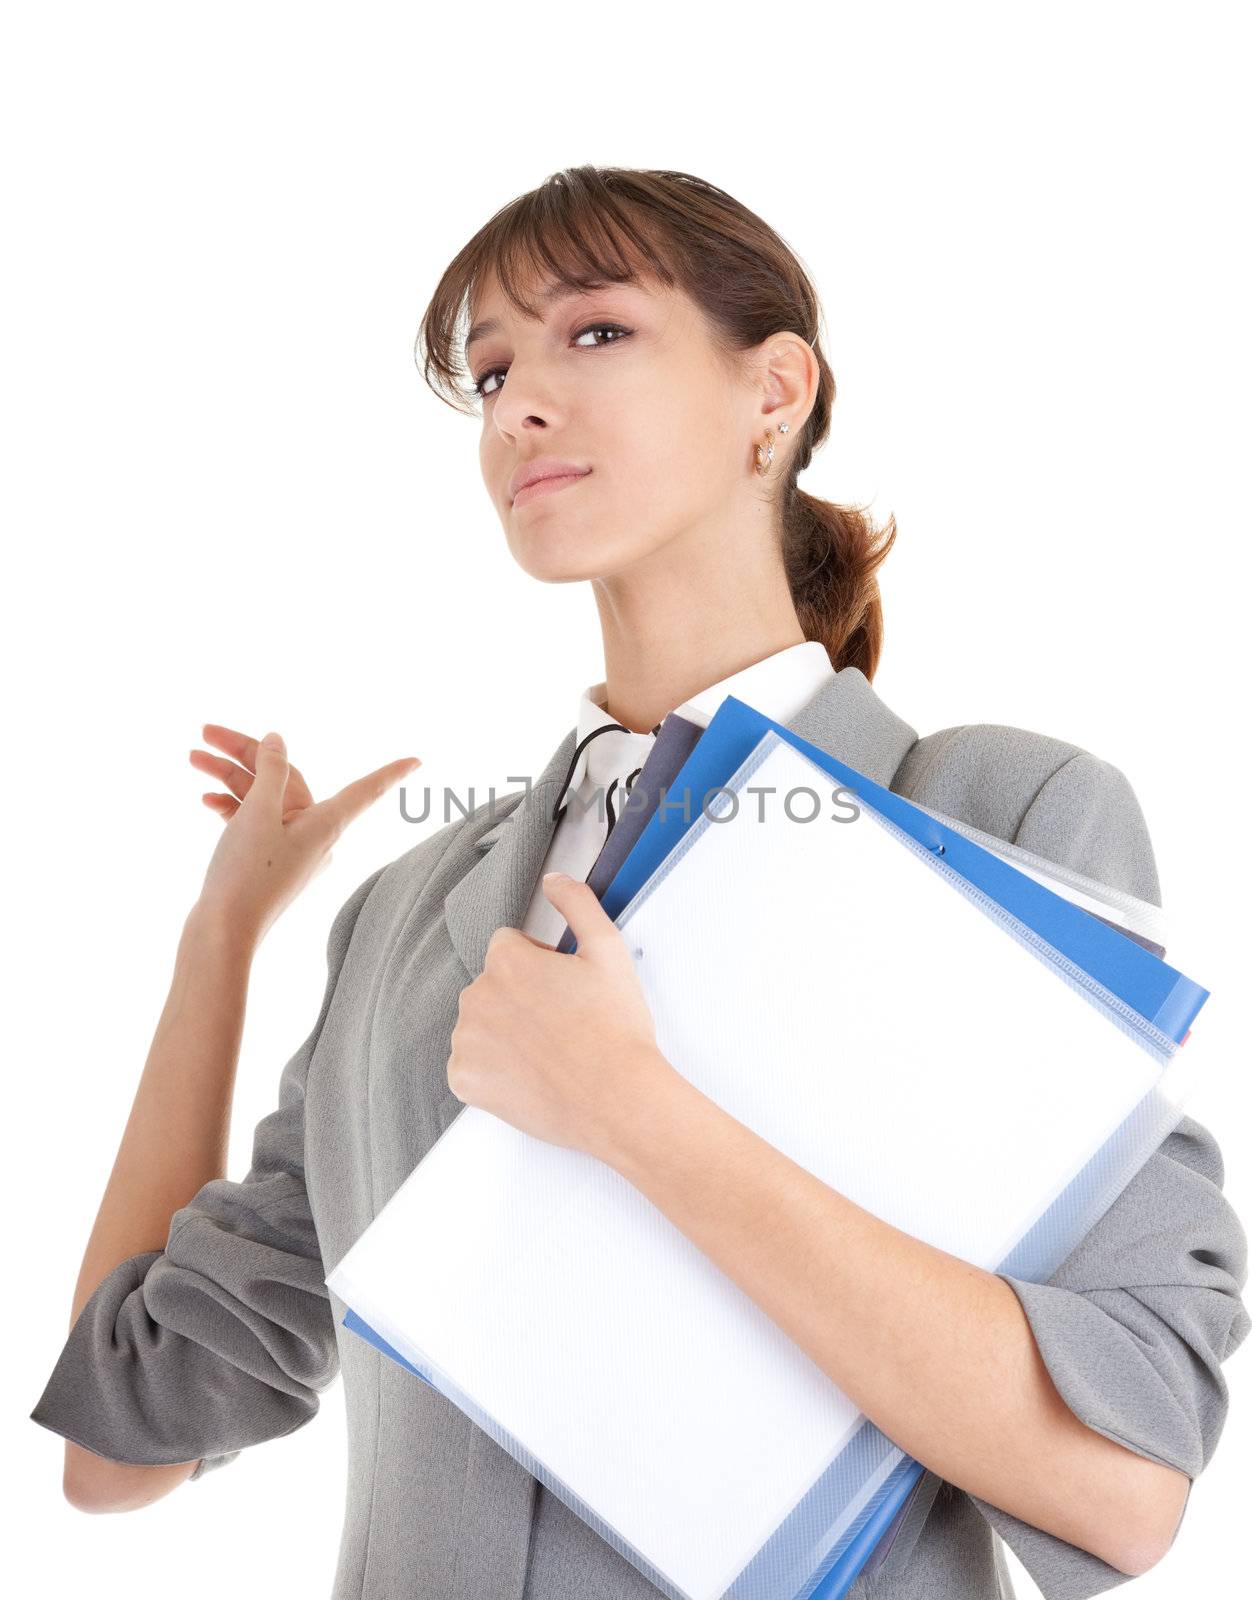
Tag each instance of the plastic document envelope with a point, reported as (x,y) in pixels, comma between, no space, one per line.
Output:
(545,1296)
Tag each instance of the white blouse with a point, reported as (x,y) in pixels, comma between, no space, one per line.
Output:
(777,686)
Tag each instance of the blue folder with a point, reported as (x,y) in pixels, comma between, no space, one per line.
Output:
(1158,992)
(1149,985)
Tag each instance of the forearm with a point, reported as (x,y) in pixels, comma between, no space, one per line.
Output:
(178,1130)
(937,1353)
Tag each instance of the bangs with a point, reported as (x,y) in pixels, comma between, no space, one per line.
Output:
(573,235)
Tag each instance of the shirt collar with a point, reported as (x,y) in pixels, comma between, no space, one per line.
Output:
(777,686)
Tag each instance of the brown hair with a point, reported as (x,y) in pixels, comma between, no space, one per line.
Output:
(588,226)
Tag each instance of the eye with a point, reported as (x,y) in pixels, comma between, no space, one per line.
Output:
(592,327)
(602,327)
(482,392)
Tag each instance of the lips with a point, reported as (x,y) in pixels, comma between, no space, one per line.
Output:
(545,486)
(543,467)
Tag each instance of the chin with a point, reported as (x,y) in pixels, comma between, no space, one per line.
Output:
(549,566)
(568,553)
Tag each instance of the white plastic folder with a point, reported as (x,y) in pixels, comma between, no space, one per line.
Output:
(836,989)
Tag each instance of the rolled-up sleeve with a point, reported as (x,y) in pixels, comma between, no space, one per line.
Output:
(1135,1325)
(1134,1328)
(224,1338)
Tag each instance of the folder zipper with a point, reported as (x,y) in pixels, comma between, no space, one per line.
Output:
(1158,1043)
(1138,914)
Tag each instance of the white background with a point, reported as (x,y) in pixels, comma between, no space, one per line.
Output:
(229,497)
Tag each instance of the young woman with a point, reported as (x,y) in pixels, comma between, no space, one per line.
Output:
(644,351)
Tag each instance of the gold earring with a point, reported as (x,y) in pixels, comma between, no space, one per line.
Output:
(765,452)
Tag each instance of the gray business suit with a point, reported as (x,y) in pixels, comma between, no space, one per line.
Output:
(224,1338)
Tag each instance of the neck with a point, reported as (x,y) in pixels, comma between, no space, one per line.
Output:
(660,648)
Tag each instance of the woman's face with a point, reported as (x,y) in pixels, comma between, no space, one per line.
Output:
(662,431)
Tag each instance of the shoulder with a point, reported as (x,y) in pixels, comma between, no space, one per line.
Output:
(1040,792)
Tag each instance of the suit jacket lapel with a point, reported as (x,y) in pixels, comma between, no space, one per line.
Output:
(845,717)
(496,890)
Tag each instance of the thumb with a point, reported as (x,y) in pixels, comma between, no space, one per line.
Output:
(271,771)
(589,922)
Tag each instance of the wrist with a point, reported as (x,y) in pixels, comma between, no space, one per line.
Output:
(213,929)
(635,1135)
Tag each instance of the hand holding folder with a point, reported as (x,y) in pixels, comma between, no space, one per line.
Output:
(888,1023)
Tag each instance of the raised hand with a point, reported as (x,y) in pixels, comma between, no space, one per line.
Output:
(276,836)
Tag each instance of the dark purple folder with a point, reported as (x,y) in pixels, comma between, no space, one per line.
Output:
(675,741)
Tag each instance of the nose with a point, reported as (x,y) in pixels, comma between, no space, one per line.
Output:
(523,403)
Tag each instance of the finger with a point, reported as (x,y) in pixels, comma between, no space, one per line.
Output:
(589,922)
(240,745)
(354,797)
(222,804)
(244,749)
(236,779)
(270,783)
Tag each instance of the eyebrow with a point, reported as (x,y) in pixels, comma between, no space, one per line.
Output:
(557,291)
